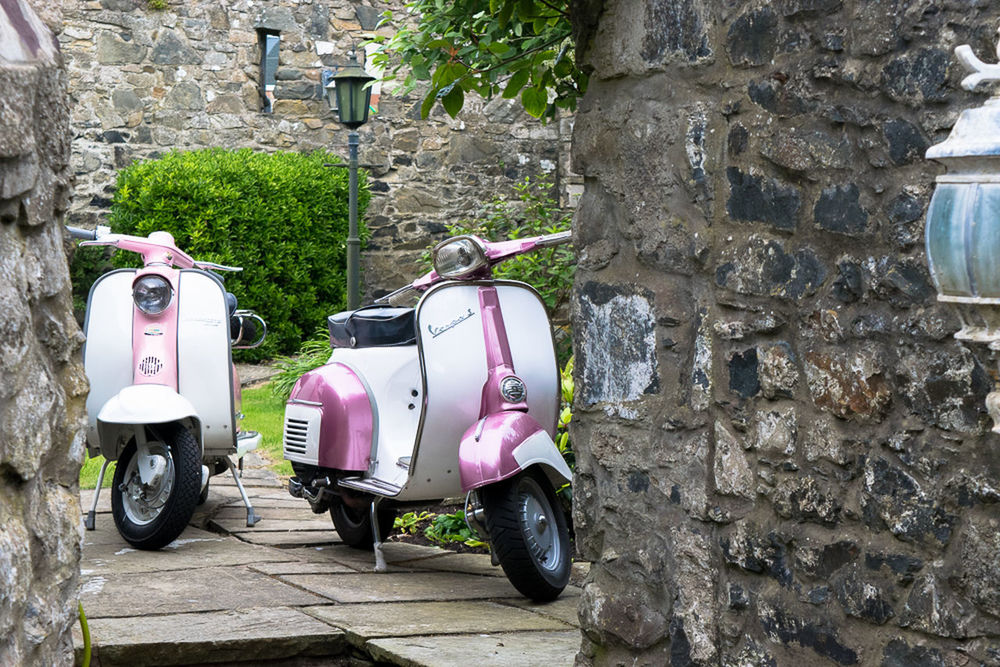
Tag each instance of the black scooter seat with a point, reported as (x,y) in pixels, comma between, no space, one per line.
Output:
(373,326)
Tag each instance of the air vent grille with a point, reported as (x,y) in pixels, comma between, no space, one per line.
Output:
(150,366)
(296,435)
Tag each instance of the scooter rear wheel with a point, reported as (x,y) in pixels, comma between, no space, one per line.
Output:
(150,518)
(355,525)
(528,532)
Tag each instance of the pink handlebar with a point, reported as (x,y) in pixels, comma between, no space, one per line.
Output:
(496,252)
(157,248)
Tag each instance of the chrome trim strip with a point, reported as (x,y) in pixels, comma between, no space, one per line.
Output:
(302,401)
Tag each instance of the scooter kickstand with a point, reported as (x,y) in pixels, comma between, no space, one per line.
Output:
(380,565)
(252,517)
(91,519)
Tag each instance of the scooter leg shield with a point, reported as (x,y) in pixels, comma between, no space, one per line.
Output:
(502,444)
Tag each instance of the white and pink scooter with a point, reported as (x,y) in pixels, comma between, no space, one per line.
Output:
(457,396)
(164,396)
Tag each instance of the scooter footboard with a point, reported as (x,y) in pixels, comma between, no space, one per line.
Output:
(505,443)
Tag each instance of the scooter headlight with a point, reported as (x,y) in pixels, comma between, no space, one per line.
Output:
(152,294)
(459,257)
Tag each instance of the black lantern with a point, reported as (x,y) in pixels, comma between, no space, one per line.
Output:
(349,94)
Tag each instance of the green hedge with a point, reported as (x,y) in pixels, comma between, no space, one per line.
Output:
(282,216)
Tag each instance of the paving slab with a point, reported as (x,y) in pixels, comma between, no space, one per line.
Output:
(251,635)
(275,512)
(205,589)
(288,538)
(104,552)
(362,622)
(400,557)
(403,587)
(565,608)
(523,649)
(467,563)
(270,524)
(300,567)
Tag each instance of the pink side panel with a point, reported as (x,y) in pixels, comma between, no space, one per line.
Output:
(491,459)
(345,438)
(154,337)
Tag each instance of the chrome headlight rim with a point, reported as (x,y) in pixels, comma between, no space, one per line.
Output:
(477,260)
(513,389)
(152,293)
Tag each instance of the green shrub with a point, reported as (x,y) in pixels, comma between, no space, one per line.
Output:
(283,217)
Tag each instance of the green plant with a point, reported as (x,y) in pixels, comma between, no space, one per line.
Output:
(157,5)
(282,216)
(411,521)
(447,528)
(566,389)
(86,265)
(265,413)
(313,353)
(513,48)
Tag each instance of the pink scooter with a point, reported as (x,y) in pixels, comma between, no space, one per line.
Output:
(457,396)
(164,396)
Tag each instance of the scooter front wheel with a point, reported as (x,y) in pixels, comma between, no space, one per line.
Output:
(354,524)
(528,532)
(150,516)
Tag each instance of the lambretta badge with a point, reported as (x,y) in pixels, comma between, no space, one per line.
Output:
(437,331)
(153,330)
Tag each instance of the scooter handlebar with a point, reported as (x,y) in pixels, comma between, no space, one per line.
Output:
(80,233)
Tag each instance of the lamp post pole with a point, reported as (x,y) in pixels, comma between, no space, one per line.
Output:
(349,94)
(353,241)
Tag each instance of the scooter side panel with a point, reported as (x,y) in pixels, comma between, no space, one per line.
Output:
(453,355)
(204,361)
(392,375)
(107,354)
(530,336)
(329,420)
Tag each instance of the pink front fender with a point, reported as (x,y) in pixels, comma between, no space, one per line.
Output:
(508,443)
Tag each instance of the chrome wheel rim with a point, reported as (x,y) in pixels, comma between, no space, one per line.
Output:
(143,503)
(539,526)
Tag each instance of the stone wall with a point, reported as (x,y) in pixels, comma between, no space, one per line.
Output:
(783,456)
(42,385)
(143,82)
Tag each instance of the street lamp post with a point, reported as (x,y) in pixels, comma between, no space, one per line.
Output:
(963,220)
(349,94)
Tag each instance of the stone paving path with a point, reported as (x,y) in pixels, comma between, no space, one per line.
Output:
(288,592)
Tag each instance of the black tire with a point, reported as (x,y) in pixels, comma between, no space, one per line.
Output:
(355,525)
(151,523)
(527,529)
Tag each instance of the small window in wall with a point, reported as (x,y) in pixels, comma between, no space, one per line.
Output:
(270,40)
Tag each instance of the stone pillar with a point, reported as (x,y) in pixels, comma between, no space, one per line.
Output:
(782,455)
(42,385)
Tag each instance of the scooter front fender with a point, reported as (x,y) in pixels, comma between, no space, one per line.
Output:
(503,444)
(142,404)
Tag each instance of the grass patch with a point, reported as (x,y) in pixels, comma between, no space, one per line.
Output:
(88,473)
(263,412)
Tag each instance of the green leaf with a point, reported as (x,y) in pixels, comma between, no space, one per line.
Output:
(497,48)
(534,101)
(515,84)
(425,107)
(454,101)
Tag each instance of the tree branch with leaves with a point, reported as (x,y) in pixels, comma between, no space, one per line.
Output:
(512,48)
